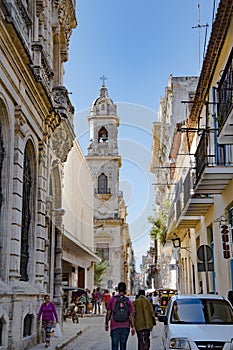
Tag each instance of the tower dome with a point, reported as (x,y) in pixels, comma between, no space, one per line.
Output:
(103,105)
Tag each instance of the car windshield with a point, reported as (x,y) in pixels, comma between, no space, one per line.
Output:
(201,311)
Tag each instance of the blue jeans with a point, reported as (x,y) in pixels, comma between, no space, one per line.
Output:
(94,306)
(119,336)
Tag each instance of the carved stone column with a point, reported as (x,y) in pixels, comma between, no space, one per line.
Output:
(58,214)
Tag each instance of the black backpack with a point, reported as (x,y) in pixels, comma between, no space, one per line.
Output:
(121,309)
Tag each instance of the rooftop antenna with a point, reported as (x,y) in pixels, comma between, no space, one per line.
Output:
(199,26)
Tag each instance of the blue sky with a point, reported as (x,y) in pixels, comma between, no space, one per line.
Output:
(136,45)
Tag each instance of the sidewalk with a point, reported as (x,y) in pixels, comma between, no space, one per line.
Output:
(70,332)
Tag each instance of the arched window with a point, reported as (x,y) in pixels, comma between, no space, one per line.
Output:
(102,183)
(27,209)
(27,325)
(5,187)
(103,135)
(2,154)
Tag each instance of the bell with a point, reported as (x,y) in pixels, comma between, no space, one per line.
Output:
(104,138)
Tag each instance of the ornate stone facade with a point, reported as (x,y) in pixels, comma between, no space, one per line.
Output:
(36,135)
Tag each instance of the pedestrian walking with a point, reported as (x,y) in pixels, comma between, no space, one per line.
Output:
(94,300)
(120,313)
(89,299)
(149,297)
(155,298)
(49,318)
(99,299)
(106,296)
(144,319)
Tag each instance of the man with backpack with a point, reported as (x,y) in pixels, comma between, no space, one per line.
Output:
(120,313)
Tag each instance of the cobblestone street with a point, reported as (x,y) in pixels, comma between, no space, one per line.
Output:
(96,338)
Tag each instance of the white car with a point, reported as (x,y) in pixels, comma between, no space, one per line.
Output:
(198,321)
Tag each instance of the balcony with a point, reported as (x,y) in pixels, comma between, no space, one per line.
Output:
(225,104)
(186,209)
(103,193)
(194,205)
(214,167)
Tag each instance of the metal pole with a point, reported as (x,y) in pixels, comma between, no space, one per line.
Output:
(206,268)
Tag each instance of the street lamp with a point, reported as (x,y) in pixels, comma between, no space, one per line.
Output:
(176,242)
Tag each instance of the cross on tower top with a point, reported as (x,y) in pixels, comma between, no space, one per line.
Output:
(103,78)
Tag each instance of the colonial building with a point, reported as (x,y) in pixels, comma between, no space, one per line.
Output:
(201,208)
(111,238)
(205,198)
(36,135)
(174,109)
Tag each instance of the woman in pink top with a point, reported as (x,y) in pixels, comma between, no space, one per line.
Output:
(49,318)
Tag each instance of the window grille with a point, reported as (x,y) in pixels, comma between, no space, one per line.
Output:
(26,216)
(2,154)
(225,91)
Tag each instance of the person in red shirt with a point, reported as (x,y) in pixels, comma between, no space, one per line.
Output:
(94,300)
(106,298)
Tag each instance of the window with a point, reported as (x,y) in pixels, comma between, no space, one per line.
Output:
(102,250)
(230,216)
(201,311)
(28,205)
(2,154)
(103,135)
(110,284)
(103,184)
(27,325)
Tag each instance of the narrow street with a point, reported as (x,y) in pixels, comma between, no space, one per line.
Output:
(116,171)
(96,338)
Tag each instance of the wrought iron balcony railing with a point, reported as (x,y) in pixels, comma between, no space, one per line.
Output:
(210,154)
(225,92)
(103,191)
(187,204)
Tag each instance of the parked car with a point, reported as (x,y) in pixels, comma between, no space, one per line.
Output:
(201,321)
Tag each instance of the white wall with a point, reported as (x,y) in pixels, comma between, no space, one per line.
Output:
(78,197)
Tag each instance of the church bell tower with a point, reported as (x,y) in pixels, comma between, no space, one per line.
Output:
(111,235)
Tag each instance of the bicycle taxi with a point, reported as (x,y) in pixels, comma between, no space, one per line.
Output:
(165,296)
